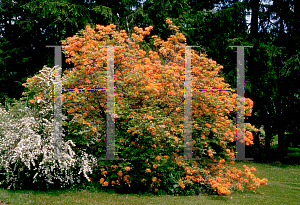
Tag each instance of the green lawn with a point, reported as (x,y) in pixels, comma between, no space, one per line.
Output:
(283,188)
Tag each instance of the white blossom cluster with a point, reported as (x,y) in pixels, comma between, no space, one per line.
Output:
(27,138)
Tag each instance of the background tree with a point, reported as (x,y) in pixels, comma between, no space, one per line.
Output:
(271,66)
(27,28)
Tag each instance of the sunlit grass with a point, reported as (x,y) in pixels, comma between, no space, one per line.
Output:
(283,188)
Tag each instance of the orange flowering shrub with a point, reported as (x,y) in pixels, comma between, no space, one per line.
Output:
(149,105)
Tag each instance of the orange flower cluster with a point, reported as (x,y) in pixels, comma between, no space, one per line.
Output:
(158,158)
(89,58)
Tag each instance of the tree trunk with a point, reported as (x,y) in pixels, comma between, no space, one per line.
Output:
(296,22)
(268,137)
(254,17)
(281,122)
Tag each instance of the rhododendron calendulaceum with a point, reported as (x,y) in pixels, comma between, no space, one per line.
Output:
(149,105)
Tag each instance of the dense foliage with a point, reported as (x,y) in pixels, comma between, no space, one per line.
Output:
(157,120)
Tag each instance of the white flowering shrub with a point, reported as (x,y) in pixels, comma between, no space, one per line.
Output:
(27,143)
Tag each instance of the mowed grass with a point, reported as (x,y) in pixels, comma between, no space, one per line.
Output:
(283,187)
